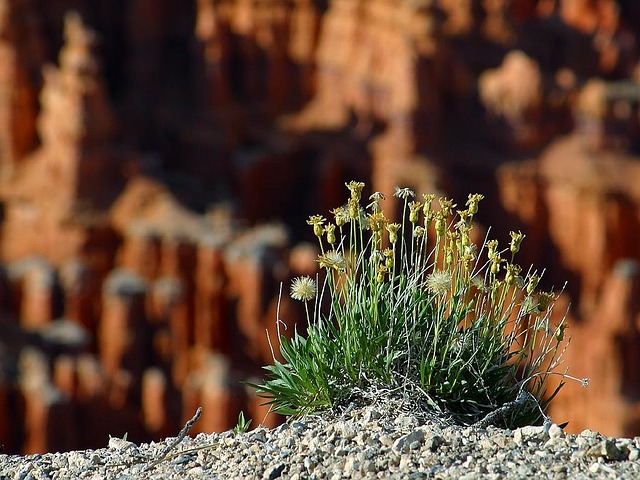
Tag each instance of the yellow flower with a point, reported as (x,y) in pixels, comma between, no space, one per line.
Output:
(446,206)
(472,202)
(492,245)
(439,282)
(377,221)
(380,273)
(332,260)
(448,259)
(388,255)
(317,221)
(559,333)
(439,223)
(495,263)
(356,189)
(544,300)
(353,208)
(414,211)
(465,241)
(516,240)
(303,289)
(418,231)
(453,237)
(341,214)
(467,261)
(393,228)
(512,274)
(465,220)
(469,256)
(428,200)
(330,231)
(532,283)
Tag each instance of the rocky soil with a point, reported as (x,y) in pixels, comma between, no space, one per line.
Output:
(381,441)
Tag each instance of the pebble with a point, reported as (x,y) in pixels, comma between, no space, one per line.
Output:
(380,441)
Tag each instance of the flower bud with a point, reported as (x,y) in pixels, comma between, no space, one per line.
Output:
(516,240)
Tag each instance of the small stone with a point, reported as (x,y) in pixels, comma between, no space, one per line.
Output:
(530,434)
(182,459)
(432,442)
(116,443)
(403,443)
(273,472)
(583,443)
(610,450)
(634,454)
(600,468)
(351,465)
(405,462)
(370,415)
(367,466)
(258,437)
(385,440)
(556,432)
(588,434)
(309,463)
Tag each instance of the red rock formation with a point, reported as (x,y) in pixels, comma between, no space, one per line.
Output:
(211,329)
(145,30)
(33,279)
(611,401)
(218,388)
(55,189)
(212,33)
(121,333)
(80,288)
(584,209)
(271,105)
(155,404)
(513,92)
(171,308)
(46,410)
(22,54)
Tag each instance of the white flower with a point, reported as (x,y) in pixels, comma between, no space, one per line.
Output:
(303,289)
(332,259)
(404,193)
(439,282)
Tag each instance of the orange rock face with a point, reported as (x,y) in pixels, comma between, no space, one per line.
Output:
(141,269)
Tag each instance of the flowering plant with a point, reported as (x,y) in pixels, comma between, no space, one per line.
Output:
(417,311)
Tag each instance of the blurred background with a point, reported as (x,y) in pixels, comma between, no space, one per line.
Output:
(159,159)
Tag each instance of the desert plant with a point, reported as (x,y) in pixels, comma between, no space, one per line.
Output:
(243,424)
(417,310)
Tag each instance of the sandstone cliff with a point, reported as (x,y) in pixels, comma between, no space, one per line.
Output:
(141,264)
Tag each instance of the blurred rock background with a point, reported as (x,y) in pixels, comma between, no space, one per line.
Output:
(159,158)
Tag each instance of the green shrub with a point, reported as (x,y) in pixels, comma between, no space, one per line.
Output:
(418,312)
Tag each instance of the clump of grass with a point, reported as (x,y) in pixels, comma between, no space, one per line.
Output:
(417,308)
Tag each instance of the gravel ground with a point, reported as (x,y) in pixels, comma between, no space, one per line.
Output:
(368,442)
